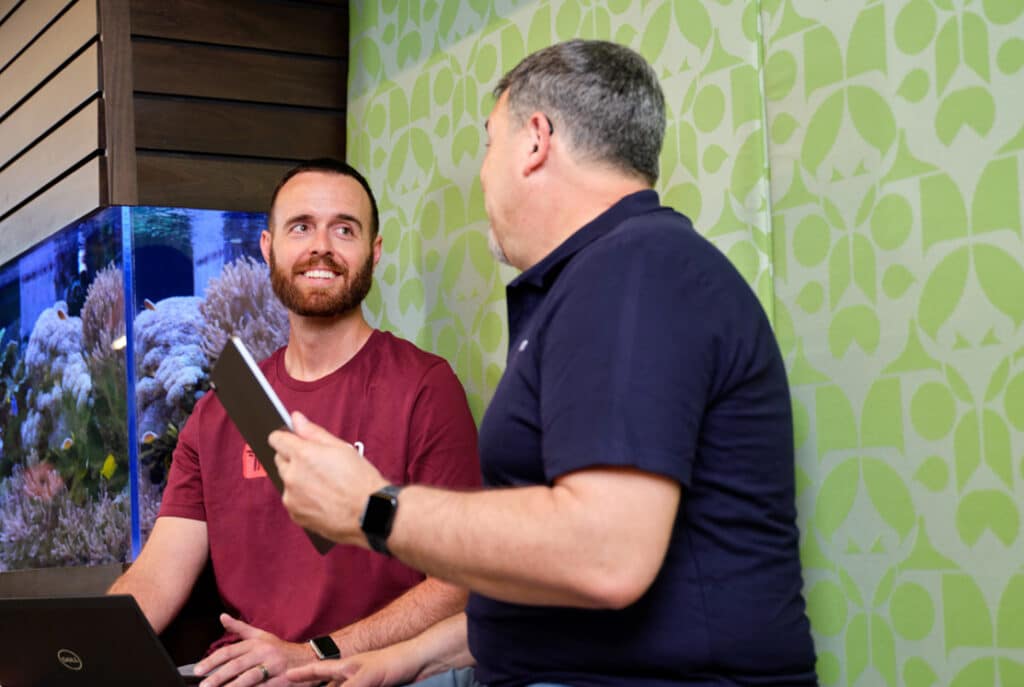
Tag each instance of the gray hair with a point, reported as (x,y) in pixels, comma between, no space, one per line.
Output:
(604,97)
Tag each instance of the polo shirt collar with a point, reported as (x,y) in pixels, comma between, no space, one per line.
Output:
(547,270)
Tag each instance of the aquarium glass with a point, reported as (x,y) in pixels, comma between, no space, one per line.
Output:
(84,446)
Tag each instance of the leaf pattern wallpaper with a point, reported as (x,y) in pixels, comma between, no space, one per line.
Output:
(860,162)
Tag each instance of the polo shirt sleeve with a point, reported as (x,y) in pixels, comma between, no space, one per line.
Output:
(627,360)
(442,435)
(183,495)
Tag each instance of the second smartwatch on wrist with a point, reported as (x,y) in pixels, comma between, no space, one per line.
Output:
(325,648)
(379,517)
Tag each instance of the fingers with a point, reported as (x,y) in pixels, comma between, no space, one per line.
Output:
(338,670)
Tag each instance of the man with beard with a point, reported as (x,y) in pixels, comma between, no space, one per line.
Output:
(403,406)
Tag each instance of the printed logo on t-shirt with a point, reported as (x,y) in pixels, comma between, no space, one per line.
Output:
(251,467)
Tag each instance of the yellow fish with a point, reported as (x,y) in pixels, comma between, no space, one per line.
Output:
(109,466)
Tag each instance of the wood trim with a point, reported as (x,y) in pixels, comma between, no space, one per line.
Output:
(245,129)
(75,195)
(63,39)
(71,87)
(291,27)
(118,105)
(205,182)
(27,22)
(64,148)
(204,71)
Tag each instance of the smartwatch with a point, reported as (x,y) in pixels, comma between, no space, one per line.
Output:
(325,648)
(379,516)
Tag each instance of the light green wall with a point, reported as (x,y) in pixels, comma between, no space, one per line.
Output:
(865,176)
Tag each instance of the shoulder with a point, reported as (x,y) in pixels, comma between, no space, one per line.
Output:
(405,354)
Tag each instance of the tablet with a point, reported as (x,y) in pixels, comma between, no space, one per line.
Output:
(254,407)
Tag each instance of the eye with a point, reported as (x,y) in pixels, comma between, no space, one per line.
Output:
(344,230)
(299,228)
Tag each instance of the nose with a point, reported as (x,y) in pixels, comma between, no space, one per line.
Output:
(321,243)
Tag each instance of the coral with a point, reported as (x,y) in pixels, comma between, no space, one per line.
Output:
(55,530)
(171,365)
(55,370)
(241,302)
(103,318)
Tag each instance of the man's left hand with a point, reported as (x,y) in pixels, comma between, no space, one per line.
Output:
(326,481)
(258,658)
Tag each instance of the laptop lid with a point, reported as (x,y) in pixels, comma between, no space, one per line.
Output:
(90,641)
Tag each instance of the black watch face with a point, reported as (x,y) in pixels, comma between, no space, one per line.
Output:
(325,647)
(380,511)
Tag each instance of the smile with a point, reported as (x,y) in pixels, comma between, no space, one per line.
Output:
(319,274)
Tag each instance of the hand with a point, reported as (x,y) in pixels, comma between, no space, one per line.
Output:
(326,481)
(393,665)
(238,664)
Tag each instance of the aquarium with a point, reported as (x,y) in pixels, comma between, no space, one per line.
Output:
(108,330)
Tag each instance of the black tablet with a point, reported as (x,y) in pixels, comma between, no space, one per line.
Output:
(255,409)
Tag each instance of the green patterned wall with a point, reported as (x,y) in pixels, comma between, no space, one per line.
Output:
(860,162)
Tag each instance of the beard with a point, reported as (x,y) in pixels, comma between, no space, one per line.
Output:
(321,302)
(496,250)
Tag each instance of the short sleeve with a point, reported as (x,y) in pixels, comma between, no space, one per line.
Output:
(183,495)
(442,438)
(627,359)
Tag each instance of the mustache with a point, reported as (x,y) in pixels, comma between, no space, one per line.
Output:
(325,262)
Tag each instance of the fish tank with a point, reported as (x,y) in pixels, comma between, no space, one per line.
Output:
(108,331)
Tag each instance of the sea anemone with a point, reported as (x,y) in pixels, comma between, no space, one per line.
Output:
(103,317)
(241,302)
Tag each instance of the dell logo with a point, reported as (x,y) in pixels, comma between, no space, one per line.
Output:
(69,659)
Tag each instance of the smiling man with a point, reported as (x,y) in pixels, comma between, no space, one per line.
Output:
(404,406)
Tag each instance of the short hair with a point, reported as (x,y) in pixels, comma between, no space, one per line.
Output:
(330,165)
(605,97)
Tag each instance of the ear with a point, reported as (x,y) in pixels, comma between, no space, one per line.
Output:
(538,128)
(265,239)
(378,243)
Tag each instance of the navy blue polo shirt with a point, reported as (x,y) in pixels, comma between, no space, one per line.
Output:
(636,343)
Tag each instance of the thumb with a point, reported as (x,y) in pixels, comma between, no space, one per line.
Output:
(307,429)
(239,627)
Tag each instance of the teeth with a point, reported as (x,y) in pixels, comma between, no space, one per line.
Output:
(320,274)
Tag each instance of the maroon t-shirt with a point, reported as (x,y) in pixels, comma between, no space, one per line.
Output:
(407,410)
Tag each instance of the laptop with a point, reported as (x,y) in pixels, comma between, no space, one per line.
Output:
(93,641)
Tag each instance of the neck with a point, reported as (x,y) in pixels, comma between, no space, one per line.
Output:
(317,346)
(565,208)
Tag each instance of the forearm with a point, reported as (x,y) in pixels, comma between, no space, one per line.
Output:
(531,545)
(422,606)
(159,602)
(445,646)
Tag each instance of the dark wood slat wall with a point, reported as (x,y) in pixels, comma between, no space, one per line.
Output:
(51,142)
(229,94)
(186,103)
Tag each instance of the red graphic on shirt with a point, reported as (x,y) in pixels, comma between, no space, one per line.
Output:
(251,467)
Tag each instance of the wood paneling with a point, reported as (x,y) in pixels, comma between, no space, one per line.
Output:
(5,7)
(73,196)
(118,111)
(25,24)
(71,87)
(64,38)
(229,74)
(50,158)
(199,182)
(175,124)
(266,25)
